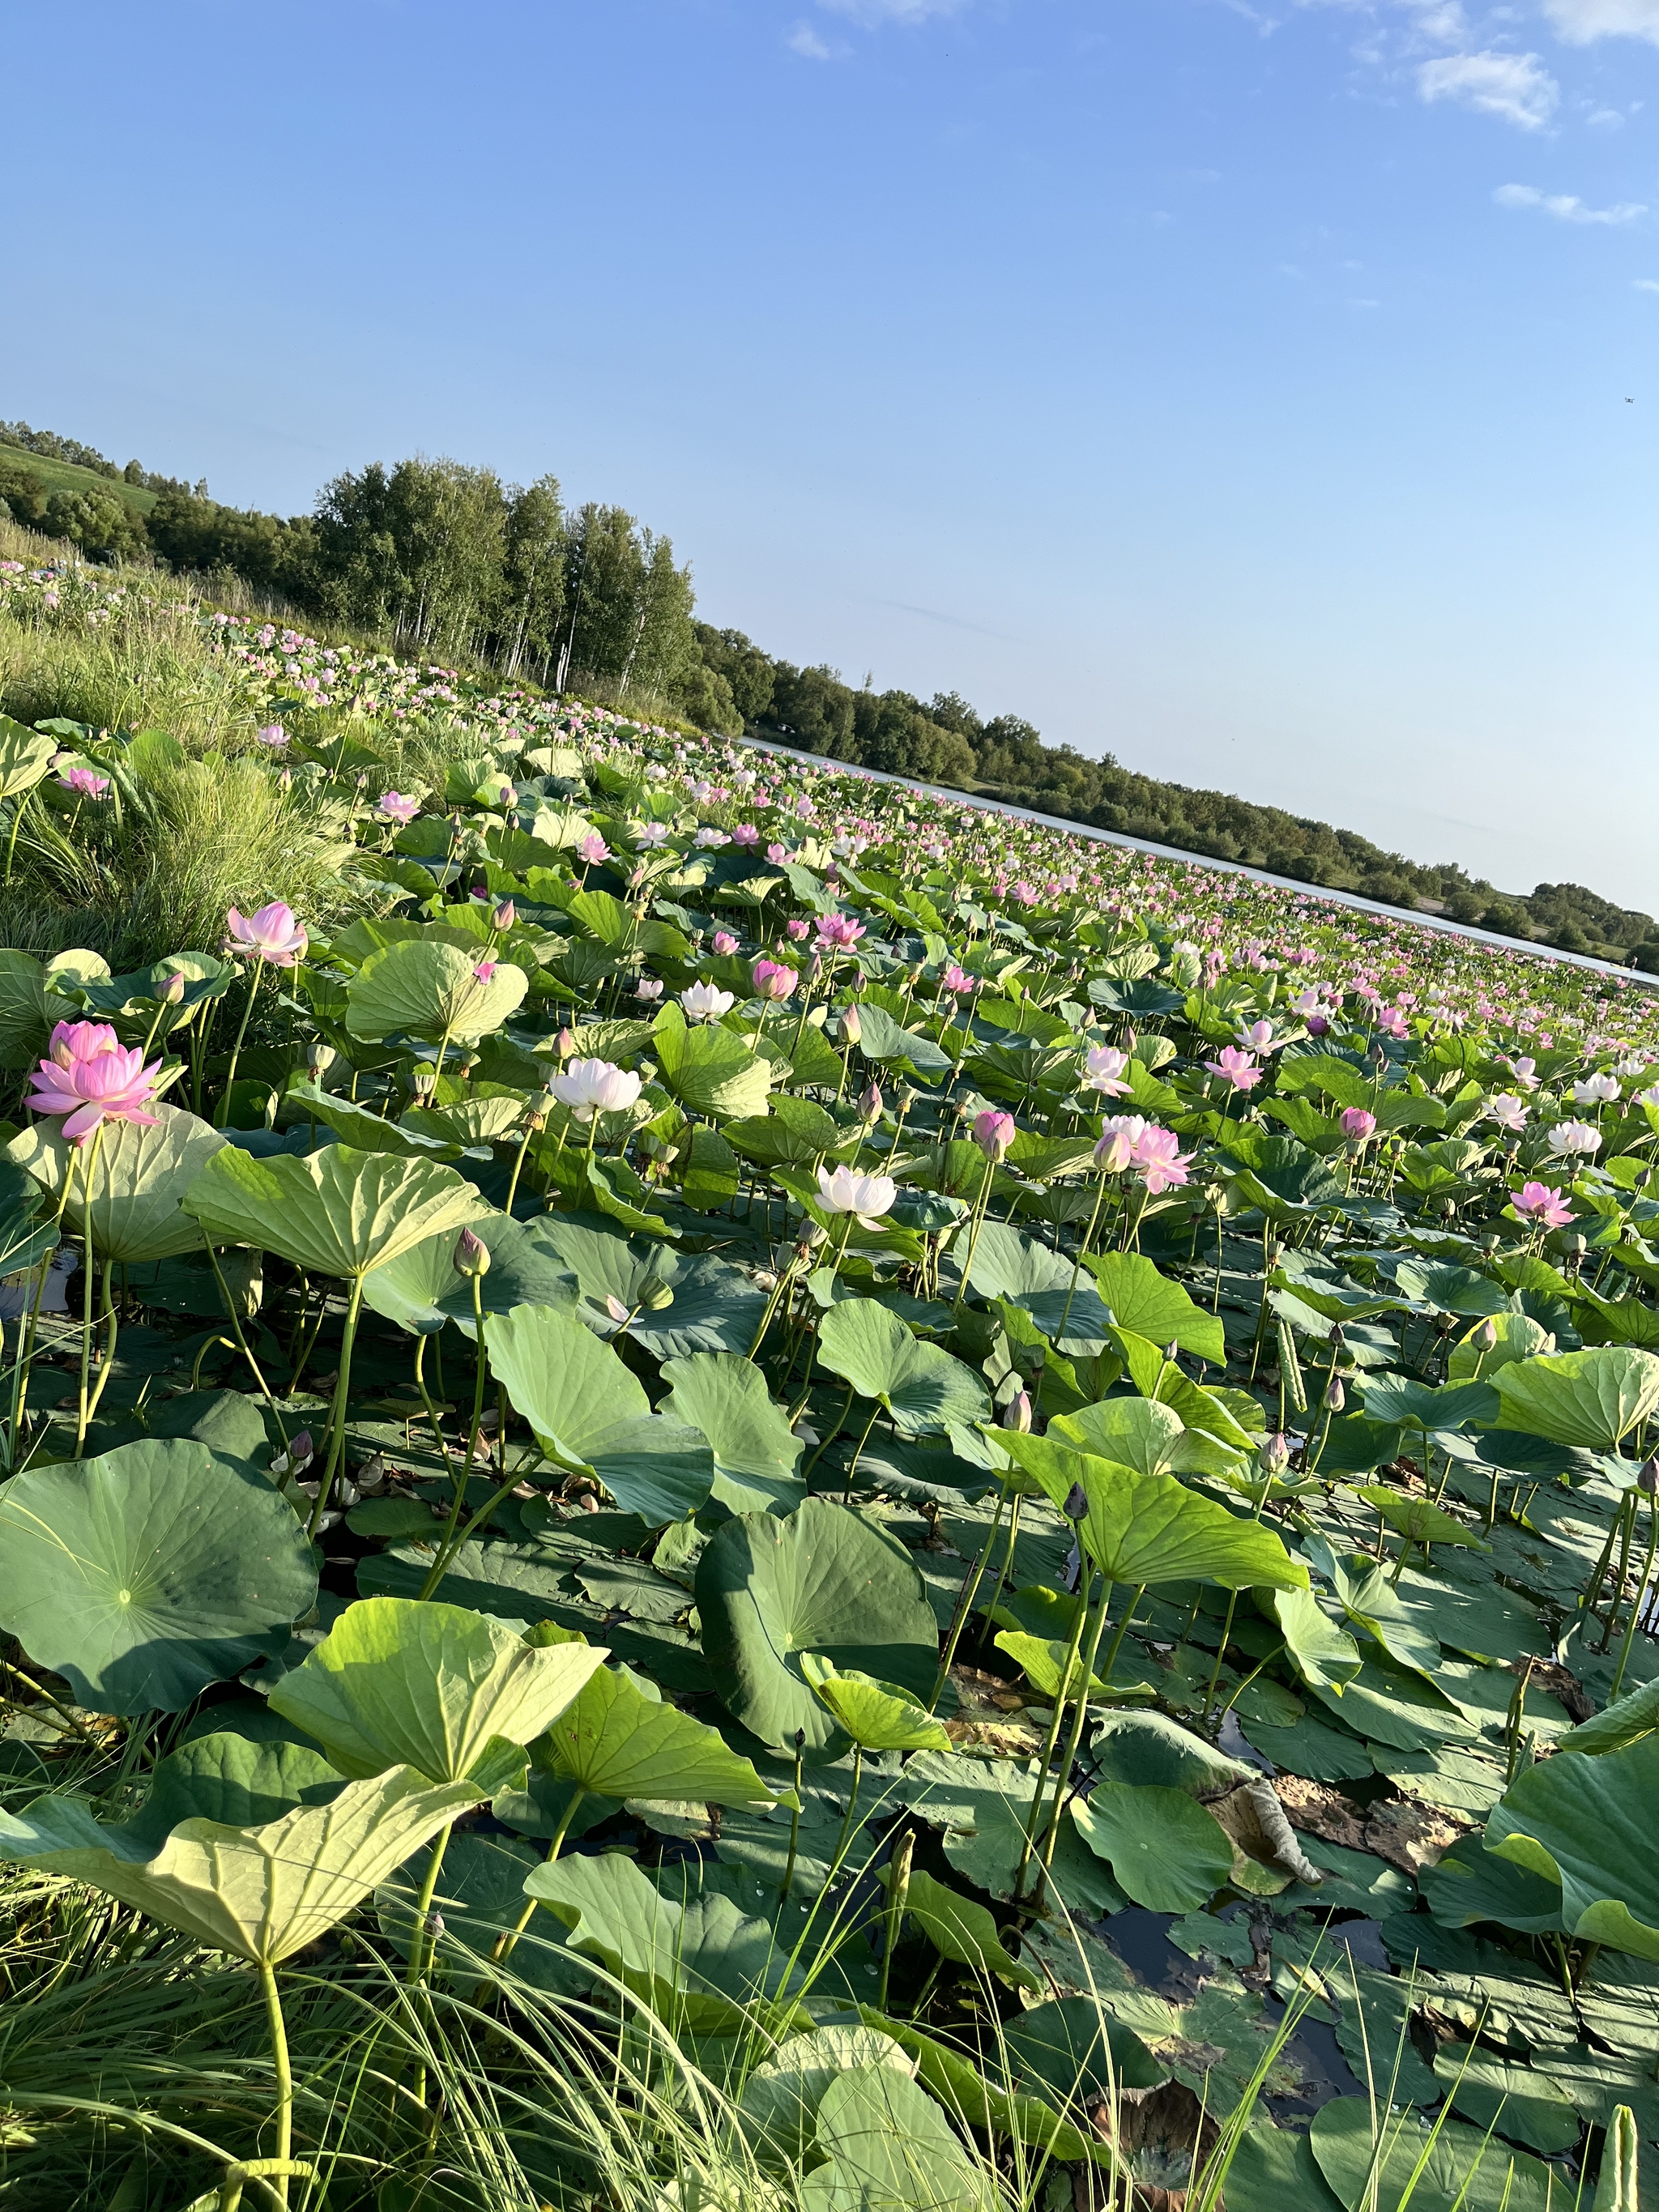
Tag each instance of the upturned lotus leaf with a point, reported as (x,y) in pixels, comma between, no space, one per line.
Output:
(339,1211)
(756,1453)
(923,1388)
(419,987)
(614,1741)
(261,1893)
(1593,1399)
(878,1715)
(397,1682)
(139,1178)
(1588,1824)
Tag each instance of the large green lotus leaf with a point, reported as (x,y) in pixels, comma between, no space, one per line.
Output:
(1008,1265)
(699,1963)
(1516,2101)
(367,1132)
(779,2108)
(890,2149)
(420,988)
(1478,1618)
(470,1122)
(878,1715)
(572,1390)
(1370,1603)
(1417,1520)
(1633,1717)
(1167,1851)
(960,1930)
(1141,1300)
(1388,1705)
(956,2083)
(709,1069)
(398,1683)
(712,1306)
(1134,1432)
(756,1453)
(1397,1398)
(1588,1824)
(422,1289)
(25,1239)
(1460,2171)
(1139,1749)
(26,757)
(138,1178)
(1318,1649)
(982,1806)
(1275,2171)
(1442,1288)
(821,1580)
(614,1741)
(656,1468)
(146,1574)
(339,1211)
(232,1781)
(1150,1529)
(923,1387)
(1047,1661)
(261,1893)
(1470,1884)
(1594,1398)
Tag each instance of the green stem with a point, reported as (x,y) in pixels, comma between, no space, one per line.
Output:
(1631,1624)
(965,1603)
(420,1952)
(16,824)
(1076,1264)
(504,1948)
(236,1050)
(280,2067)
(338,1414)
(852,1464)
(977,1222)
(1079,1718)
(107,1312)
(1055,1719)
(458,1483)
(851,1807)
(795,1816)
(88,1162)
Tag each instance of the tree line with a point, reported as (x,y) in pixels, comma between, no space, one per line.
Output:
(450,561)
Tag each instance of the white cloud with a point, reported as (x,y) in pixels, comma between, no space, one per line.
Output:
(1565,207)
(869,12)
(1644,283)
(1579,22)
(805,40)
(1517,87)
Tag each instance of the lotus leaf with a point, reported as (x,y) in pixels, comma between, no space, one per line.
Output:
(1593,1399)
(756,1453)
(878,1715)
(890,2149)
(960,1930)
(139,1177)
(418,987)
(922,1388)
(1462,2170)
(615,1741)
(336,1213)
(1148,1304)
(1587,1824)
(1168,1852)
(145,1575)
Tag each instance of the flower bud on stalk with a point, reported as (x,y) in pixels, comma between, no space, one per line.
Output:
(504,917)
(852,1025)
(565,1044)
(171,993)
(1017,1416)
(1648,1481)
(1076,1507)
(870,1103)
(1485,1337)
(471,1255)
(1335,1397)
(994,1132)
(1275,1455)
(320,1058)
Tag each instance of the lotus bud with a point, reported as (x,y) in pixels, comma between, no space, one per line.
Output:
(471,1255)
(172,992)
(1335,1397)
(1486,1336)
(423,1082)
(1648,1481)
(1172,1351)
(1131,1043)
(504,916)
(1017,1415)
(1336,1337)
(1076,1507)
(655,1294)
(870,1103)
(994,1132)
(852,1025)
(615,1309)
(1275,1455)
(320,1058)
(565,1044)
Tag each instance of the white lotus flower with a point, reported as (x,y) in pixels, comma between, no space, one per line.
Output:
(588,1087)
(866,1196)
(1597,1090)
(707,1002)
(1567,1137)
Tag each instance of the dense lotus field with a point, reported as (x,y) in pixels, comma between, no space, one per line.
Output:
(973,1509)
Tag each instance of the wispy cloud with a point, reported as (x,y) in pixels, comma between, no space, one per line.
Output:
(1565,207)
(805,40)
(869,12)
(1516,87)
(1644,283)
(1579,22)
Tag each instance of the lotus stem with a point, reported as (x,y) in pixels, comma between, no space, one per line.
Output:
(851,1807)
(1033,1818)
(223,1114)
(107,1312)
(420,1952)
(280,2067)
(88,1162)
(458,1483)
(338,1415)
(1638,1602)
(965,1603)
(898,1891)
(794,1817)
(506,1944)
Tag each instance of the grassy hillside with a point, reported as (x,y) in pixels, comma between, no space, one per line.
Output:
(69,476)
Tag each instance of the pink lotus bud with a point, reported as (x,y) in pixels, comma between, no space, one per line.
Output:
(504,916)
(615,1309)
(172,992)
(301,1448)
(1357,1125)
(1275,1455)
(1017,1414)
(852,1025)
(1485,1337)
(994,1132)
(1335,1397)
(725,943)
(870,1103)
(471,1255)
(565,1044)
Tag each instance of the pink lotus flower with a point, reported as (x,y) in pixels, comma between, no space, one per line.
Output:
(1258,1037)
(274,735)
(273,934)
(87,1076)
(1102,1069)
(839,932)
(798,929)
(397,806)
(1356,1124)
(959,982)
(1119,1135)
(746,834)
(485,972)
(994,1132)
(1161,1164)
(777,854)
(725,943)
(593,849)
(1237,1068)
(1536,1201)
(773,980)
(84,784)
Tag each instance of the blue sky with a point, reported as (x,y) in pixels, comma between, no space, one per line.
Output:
(1242,388)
